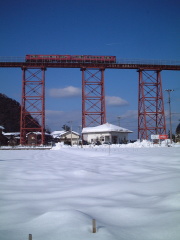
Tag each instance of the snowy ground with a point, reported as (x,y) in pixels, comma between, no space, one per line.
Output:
(133,193)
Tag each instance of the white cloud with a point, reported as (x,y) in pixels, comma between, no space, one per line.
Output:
(115,101)
(69,91)
(131,114)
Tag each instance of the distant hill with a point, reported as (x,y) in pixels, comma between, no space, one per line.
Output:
(10,111)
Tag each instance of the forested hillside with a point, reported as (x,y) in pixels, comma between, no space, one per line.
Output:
(10,111)
(9,114)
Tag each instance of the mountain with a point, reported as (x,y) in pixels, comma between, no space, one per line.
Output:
(10,111)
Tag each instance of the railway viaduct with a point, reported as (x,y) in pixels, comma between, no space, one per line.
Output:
(151,116)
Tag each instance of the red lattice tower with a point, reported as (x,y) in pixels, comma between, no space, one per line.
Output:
(151,117)
(33,103)
(93,97)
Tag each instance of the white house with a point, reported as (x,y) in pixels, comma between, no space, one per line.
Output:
(66,137)
(105,133)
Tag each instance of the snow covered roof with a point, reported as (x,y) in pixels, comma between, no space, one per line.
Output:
(107,127)
(76,133)
(57,134)
(12,134)
(1,127)
(37,133)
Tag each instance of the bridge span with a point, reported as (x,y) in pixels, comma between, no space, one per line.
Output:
(19,62)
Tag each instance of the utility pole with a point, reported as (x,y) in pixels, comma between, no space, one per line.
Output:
(71,131)
(119,120)
(80,128)
(169,102)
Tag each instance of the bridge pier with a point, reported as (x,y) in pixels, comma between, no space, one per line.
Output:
(151,116)
(93,97)
(33,103)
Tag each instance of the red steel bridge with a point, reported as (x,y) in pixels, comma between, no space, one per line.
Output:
(151,116)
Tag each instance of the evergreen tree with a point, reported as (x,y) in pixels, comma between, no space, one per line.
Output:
(66,127)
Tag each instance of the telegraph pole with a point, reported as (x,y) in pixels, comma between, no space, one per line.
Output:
(169,102)
(71,131)
(119,120)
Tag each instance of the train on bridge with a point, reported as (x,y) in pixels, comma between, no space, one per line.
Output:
(71,58)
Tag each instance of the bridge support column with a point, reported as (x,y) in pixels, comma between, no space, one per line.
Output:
(93,97)
(151,117)
(33,104)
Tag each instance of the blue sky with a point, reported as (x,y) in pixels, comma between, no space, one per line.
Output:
(125,29)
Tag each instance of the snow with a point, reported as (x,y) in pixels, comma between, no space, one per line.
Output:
(11,134)
(133,192)
(107,127)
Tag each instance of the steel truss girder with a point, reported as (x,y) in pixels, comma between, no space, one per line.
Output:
(33,103)
(93,97)
(151,116)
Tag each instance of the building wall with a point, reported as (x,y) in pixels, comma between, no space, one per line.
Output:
(32,139)
(67,137)
(113,137)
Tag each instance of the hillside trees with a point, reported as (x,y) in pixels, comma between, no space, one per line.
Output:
(10,111)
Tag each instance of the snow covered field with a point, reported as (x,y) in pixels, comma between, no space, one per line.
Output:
(133,193)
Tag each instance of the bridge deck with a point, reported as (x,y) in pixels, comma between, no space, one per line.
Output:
(20,62)
(147,66)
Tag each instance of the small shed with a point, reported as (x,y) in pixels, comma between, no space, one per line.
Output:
(106,133)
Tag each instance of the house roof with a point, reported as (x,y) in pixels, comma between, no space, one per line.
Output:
(107,127)
(12,134)
(37,133)
(57,134)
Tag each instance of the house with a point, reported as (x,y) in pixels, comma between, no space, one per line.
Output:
(106,133)
(34,138)
(66,137)
(13,138)
(56,135)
